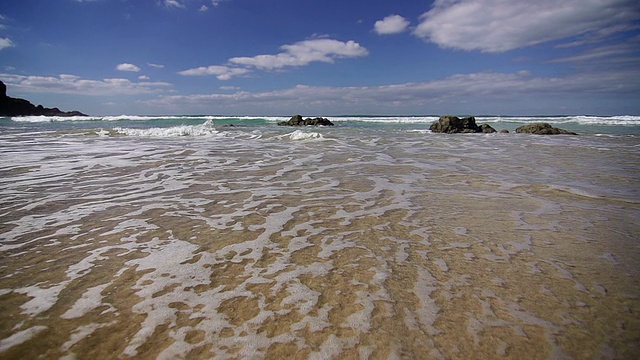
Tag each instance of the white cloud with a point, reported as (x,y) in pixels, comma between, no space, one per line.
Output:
(127,67)
(392,24)
(173,3)
(143,77)
(157,66)
(303,53)
(298,54)
(203,8)
(221,72)
(71,84)
(5,43)
(502,25)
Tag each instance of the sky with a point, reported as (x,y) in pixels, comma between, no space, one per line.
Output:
(324,57)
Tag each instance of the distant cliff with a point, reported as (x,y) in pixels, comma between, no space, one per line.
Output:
(20,107)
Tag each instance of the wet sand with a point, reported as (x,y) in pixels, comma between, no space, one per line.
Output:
(315,249)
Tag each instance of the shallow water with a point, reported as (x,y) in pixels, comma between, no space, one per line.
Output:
(349,242)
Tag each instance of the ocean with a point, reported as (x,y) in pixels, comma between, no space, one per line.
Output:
(168,237)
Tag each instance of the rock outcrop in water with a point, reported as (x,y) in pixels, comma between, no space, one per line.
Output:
(297,120)
(542,129)
(20,107)
(454,125)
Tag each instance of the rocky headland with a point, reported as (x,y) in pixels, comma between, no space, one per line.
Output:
(10,106)
(297,120)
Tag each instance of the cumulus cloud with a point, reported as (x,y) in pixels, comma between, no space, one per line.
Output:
(143,77)
(392,24)
(72,84)
(303,53)
(203,8)
(127,67)
(298,54)
(502,25)
(221,72)
(5,43)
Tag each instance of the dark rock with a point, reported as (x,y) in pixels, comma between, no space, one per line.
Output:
(297,120)
(487,129)
(504,131)
(20,107)
(454,125)
(542,129)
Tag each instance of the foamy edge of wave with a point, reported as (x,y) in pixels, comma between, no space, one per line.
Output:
(45,119)
(630,120)
(300,135)
(572,119)
(204,129)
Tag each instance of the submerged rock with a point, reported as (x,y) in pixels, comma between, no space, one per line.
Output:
(542,129)
(20,107)
(297,120)
(454,125)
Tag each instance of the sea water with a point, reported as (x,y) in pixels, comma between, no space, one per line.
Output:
(234,238)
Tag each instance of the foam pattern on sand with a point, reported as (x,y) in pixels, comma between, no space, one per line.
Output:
(245,247)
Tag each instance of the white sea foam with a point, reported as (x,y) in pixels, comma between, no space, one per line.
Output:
(205,129)
(303,135)
(578,119)
(324,243)
(20,337)
(387,119)
(47,119)
(90,300)
(573,119)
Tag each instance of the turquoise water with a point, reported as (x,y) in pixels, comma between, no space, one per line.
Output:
(612,125)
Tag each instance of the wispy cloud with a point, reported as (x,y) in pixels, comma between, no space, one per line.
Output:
(220,72)
(498,25)
(594,57)
(127,67)
(157,66)
(71,84)
(183,4)
(5,43)
(173,4)
(475,87)
(392,24)
(229,88)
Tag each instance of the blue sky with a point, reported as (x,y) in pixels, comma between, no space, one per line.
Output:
(324,57)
